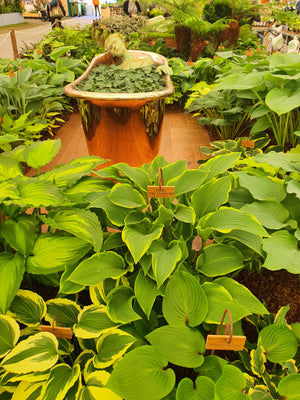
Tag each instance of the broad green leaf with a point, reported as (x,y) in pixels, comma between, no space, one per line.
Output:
(124,195)
(260,393)
(95,387)
(100,266)
(260,125)
(218,300)
(27,391)
(270,214)
(68,251)
(231,385)
(37,353)
(20,234)
(254,242)
(279,343)
(296,330)
(212,367)
(219,259)
(152,379)
(65,285)
(12,268)
(282,252)
(67,310)
(202,389)
(262,187)
(115,214)
(184,302)
(146,291)
(282,100)
(219,165)
(164,259)
(258,360)
(41,153)
(27,307)
(293,186)
(180,345)
(242,295)
(9,168)
(138,176)
(8,190)
(34,192)
(92,322)
(111,346)
(188,181)
(119,305)
(138,239)
(289,387)
(83,224)
(62,377)
(211,195)
(286,161)
(280,317)
(241,81)
(86,187)
(9,334)
(171,171)
(185,214)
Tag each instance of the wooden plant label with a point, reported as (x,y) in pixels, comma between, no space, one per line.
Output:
(59,332)
(221,342)
(161,191)
(248,143)
(39,52)
(11,73)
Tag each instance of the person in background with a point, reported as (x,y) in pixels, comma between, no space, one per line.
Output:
(56,12)
(298,7)
(96,4)
(131,7)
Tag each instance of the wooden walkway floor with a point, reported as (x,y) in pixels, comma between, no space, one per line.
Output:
(181,138)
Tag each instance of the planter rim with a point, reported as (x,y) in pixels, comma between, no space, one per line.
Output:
(71,90)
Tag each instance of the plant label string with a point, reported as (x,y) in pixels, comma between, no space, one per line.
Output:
(59,332)
(160,190)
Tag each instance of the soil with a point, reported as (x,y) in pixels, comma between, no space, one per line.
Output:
(275,289)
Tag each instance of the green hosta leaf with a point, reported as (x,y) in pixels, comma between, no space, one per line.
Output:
(289,387)
(138,176)
(8,190)
(115,214)
(254,242)
(41,153)
(286,161)
(188,181)
(92,322)
(241,82)
(282,252)
(218,300)
(111,346)
(219,259)
(260,393)
(180,345)
(293,186)
(211,196)
(184,302)
(65,285)
(279,343)
(185,214)
(262,187)
(62,377)
(67,310)
(270,214)
(202,389)
(95,387)
(34,192)
(282,100)
(219,165)
(83,224)
(138,240)
(37,353)
(242,295)
(99,267)
(212,367)
(146,292)
(231,385)
(12,268)
(152,379)
(173,170)
(9,334)
(27,391)
(226,219)
(124,195)
(27,307)
(9,168)
(296,330)
(260,125)
(119,305)
(20,234)
(258,360)
(164,259)
(68,251)
(86,187)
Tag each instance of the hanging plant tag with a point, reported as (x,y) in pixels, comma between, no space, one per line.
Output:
(248,143)
(223,342)
(59,332)
(11,73)
(161,191)
(39,52)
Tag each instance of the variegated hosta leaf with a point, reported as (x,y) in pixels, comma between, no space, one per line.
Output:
(27,391)
(9,334)
(98,267)
(95,387)
(35,192)
(41,153)
(27,307)
(111,346)
(83,224)
(37,353)
(258,360)
(20,234)
(62,377)
(9,168)
(12,268)
(92,321)
(68,251)
(119,305)
(8,190)
(67,310)
(30,377)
